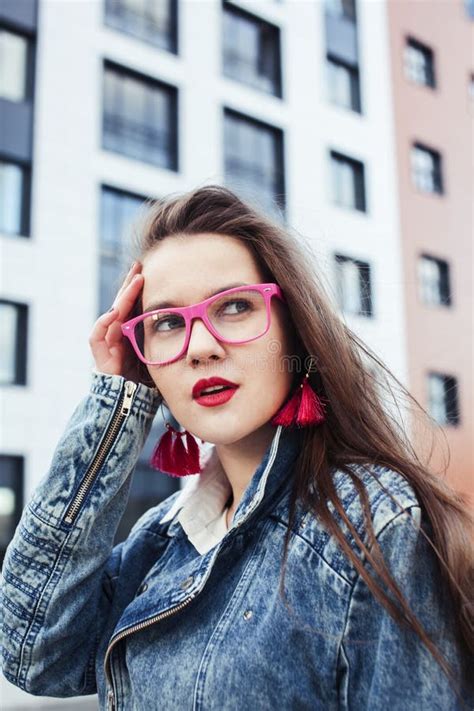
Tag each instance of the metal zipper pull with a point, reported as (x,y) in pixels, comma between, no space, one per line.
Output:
(130,388)
(110,700)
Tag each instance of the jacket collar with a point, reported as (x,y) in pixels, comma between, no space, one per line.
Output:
(205,495)
(272,474)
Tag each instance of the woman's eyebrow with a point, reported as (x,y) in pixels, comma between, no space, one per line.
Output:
(170,305)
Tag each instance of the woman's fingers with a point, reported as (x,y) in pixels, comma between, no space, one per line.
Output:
(134,269)
(106,339)
(97,338)
(124,303)
(111,320)
(129,295)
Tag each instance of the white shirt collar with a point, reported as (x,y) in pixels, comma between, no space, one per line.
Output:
(203,504)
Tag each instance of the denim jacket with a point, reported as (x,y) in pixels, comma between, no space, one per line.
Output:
(153,624)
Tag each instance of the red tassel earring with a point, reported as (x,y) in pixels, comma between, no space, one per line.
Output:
(302,409)
(171,457)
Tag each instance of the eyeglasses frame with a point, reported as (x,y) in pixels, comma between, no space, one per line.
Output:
(199,310)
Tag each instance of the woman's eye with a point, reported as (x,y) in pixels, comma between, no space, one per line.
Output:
(241,304)
(167,324)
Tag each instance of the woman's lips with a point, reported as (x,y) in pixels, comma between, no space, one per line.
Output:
(217,398)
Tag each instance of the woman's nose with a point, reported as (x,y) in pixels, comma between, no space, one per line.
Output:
(202,344)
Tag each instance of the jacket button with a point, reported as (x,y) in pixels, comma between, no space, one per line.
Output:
(248,614)
(187,583)
(142,588)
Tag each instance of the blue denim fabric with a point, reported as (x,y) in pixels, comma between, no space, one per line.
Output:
(210,632)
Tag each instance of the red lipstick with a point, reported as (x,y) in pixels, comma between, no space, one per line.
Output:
(219,397)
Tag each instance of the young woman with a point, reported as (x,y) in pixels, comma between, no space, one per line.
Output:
(312,562)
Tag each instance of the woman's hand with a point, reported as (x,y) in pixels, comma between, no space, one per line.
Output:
(113,353)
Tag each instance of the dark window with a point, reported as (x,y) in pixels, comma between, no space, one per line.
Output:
(343,84)
(251,50)
(14,198)
(426,169)
(140,117)
(253,153)
(348,184)
(434,281)
(11,498)
(353,284)
(443,401)
(341,8)
(118,210)
(15,63)
(13,342)
(419,63)
(153,21)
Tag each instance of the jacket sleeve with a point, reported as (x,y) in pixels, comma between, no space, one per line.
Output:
(58,566)
(383,665)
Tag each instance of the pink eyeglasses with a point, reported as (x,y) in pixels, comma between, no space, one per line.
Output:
(162,336)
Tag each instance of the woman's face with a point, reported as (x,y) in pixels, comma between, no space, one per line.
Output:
(183,270)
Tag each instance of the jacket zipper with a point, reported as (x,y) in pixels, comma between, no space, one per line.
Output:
(131,630)
(120,415)
(152,621)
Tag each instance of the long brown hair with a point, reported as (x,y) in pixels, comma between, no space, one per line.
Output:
(354,383)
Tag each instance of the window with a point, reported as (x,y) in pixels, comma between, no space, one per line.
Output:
(13,343)
(348,185)
(140,117)
(419,63)
(443,398)
(426,169)
(13,66)
(154,21)
(353,285)
(11,498)
(253,155)
(14,198)
(118,211)
(251,50)
(341,8)
(433,280)
(343,84)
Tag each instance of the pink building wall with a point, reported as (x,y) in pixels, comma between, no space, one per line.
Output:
(439,338)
